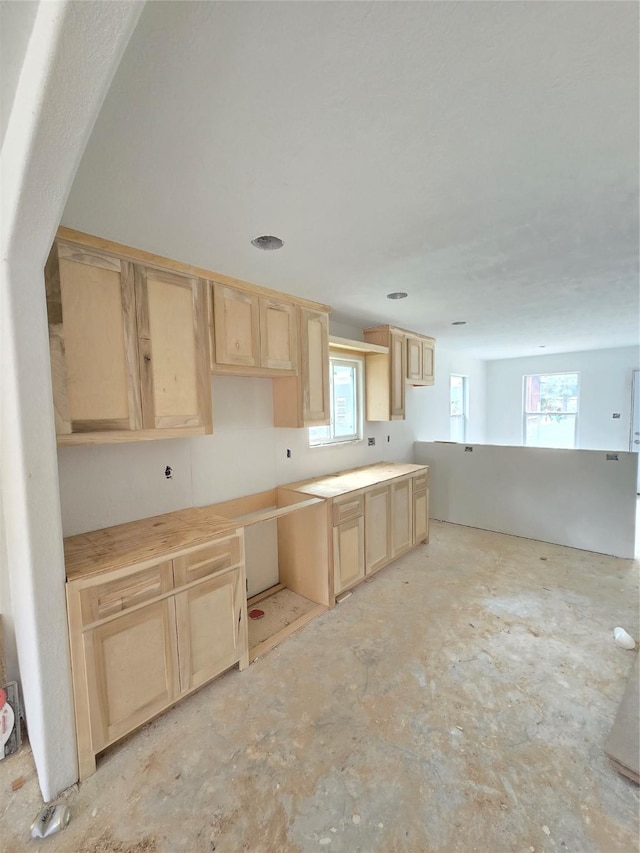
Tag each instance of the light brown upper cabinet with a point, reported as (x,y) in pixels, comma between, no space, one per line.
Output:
(410,361)
(303,400)
(128,347)
(420,360)
(252,334)
(385,375)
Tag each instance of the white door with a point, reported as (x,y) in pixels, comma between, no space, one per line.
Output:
(634,443)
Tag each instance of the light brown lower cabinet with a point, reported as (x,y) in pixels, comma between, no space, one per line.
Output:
(348,554)
(401,518)
(144,636)
(375,524)
(378,528)
(207,638)
(131,670)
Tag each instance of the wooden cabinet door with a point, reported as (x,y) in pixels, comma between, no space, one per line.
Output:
(314,367)
(420,517)
(348,554)
(397,354)
(414,359)
(172,330)
(377,528)
(237,326)
(93,341)
(401,517)
(210,627)
(428,362)
(132,670)
(278,334)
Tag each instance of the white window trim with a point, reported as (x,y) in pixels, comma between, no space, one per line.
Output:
(350,360)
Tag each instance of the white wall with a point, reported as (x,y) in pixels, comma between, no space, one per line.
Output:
(65,71)
(431,408)
(605,388)
(109,484)
(569,497)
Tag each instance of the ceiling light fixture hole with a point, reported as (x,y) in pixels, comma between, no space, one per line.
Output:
(399,294)
(459,323)
(267,242)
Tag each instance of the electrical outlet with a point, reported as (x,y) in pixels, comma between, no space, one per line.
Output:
(388,439)
(168,472)
(371,442)
(612,457)
(616,416)
(288,453)
(468,450)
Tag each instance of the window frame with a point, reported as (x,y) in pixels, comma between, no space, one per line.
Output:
(575,415)
(345,360)
(465,408)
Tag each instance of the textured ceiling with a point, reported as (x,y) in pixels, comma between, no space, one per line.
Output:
(482,157)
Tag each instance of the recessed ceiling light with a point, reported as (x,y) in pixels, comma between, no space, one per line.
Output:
(459,323)
(267,242)
(542,346)
(399,294)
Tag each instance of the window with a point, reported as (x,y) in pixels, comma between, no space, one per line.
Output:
(550,410)
(458,408)
(345,377)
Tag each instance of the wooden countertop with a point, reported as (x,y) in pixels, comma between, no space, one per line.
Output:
(137,541)
(343,482)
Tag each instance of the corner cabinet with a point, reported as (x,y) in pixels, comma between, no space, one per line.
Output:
(303,400)
(410,360)
(144,635)
(128,348)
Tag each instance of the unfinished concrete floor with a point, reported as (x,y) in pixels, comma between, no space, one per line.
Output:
(458,701)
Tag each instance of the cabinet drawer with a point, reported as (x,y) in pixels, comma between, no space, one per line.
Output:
(206,561)
(420,482)
(348,508)
(116,596)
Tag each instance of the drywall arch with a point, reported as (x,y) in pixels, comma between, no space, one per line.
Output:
(72,54)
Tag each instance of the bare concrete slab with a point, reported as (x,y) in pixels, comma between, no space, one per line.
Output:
(460,701)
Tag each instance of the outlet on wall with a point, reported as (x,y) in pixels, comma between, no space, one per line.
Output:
(371,442)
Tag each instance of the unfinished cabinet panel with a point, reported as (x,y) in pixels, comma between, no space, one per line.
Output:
(385,375)
(132,670)
(420,517)
(209,617)
(401,517)
(236,326)
(428,361)
(398,371)
(348,554)
(377,524)
(93,341)
(278,335)
(303,400)
(414,358)
(171,313)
